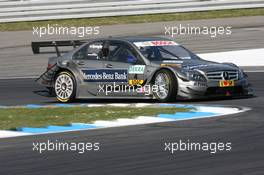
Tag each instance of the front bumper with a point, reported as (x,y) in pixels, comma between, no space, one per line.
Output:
(211,89)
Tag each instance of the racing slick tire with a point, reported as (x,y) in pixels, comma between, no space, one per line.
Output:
(167,86)
(65,87)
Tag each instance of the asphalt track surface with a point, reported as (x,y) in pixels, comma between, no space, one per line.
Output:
(140,149)
(17,59)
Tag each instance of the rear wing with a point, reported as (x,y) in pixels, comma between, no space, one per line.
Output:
(37,45)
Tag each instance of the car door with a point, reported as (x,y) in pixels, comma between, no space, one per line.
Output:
(88,61)
(127,69)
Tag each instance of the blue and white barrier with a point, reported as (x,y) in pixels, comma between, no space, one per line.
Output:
(198,111)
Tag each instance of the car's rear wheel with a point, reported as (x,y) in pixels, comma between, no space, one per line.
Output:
(167,86)
(64,86)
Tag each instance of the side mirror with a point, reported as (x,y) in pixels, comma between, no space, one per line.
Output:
(131,59)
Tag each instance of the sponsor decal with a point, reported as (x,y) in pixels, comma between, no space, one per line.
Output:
(172,61)
(136,69)
(92,54)
(172,65)
(200,84)
(96,46)
(199,66)
(155,43)
(135,82)
(186,58)
(105,75)
(226,83)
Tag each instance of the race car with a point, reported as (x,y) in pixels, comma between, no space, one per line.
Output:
(137,67)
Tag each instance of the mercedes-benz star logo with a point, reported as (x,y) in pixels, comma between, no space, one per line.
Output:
(225,75)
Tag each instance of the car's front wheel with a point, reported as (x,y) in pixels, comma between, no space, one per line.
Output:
(64,86)
(167,86)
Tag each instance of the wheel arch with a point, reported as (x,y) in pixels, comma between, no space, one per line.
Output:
(173,80)
(61,69)
(173,71)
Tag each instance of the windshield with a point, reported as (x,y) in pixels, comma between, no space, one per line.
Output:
(164,50)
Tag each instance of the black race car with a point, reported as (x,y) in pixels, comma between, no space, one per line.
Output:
(137,67)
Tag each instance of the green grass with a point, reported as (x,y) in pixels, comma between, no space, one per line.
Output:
(10,118)
(134,19)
